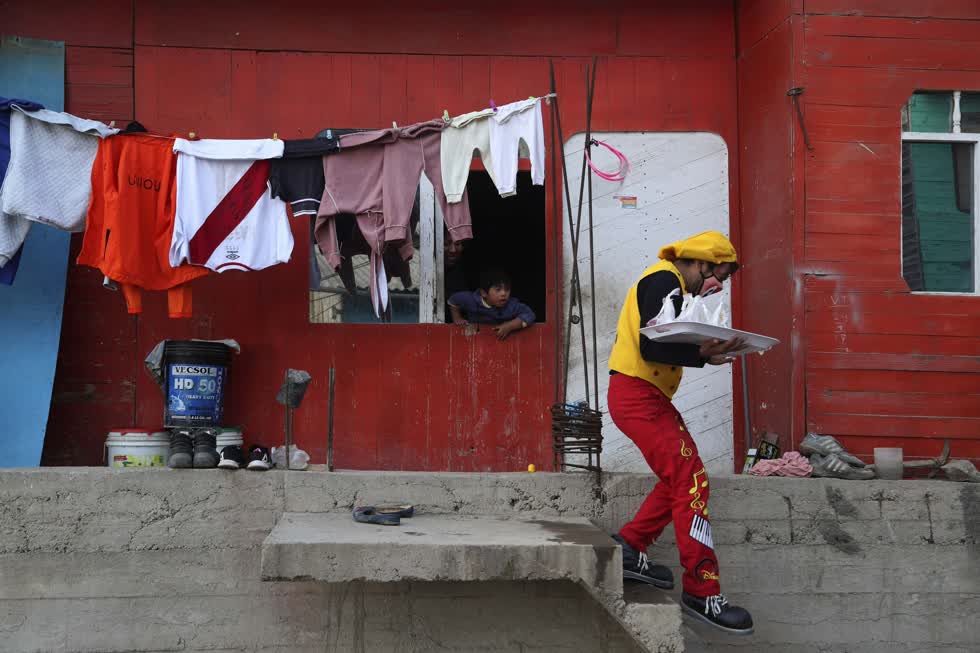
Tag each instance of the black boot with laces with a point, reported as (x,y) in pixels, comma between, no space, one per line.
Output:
(181,449)
(205,449)
(637,566)
(716,610)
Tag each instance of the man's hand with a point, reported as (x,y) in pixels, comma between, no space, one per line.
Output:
(505,329)
(720,359)
(713,348)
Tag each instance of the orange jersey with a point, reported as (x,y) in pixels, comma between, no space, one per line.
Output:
(131,215)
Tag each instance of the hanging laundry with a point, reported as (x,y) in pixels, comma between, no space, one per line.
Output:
(225,219)
(131,220)
(297,177)
(9,264)
(512,124)
(375,176)
(48,177)
(220,149)
(465,134)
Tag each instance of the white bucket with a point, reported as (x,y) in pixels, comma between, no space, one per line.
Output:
(229,436)
(137,448)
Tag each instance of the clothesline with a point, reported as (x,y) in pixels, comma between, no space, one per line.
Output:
(220,204)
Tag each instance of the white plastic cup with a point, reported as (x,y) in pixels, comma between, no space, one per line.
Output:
(888,463)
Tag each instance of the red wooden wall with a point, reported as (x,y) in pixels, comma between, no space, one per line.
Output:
(871,362)
(884,367)
(770,299)
(408,397)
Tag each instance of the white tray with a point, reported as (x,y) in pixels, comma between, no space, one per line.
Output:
(695,333)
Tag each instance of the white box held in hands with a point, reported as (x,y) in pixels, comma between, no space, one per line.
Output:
(696,333)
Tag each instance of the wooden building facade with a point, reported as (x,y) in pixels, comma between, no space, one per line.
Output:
(819,228)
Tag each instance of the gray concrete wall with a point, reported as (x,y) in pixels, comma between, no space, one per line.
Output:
(163,560)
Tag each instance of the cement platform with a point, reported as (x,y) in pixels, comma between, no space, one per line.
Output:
(332,547)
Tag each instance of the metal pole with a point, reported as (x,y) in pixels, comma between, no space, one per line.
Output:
(556,234)
(289,418)
(330,405)
(745,405)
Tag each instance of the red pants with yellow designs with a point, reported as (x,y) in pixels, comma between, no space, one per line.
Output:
(646,416)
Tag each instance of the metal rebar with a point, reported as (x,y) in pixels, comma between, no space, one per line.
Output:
(595,343)
(568,208)
(577,279)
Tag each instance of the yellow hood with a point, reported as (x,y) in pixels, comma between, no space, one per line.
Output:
(710,246)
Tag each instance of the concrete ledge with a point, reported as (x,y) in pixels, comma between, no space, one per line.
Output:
(333,547)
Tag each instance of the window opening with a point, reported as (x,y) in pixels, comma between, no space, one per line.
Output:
(940,150)
(508,233)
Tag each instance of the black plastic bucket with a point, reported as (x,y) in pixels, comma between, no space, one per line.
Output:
(195,375)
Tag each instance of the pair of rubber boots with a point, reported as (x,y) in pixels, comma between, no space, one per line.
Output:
(195,448)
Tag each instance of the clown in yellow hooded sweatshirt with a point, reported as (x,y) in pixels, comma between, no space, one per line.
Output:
(644,377)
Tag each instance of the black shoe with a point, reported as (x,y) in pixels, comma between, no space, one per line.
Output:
(637,566)
(259,458)
(181,450)
(205,450)
(232,457)
(716,610)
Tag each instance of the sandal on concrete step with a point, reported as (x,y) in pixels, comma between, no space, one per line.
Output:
(371,515)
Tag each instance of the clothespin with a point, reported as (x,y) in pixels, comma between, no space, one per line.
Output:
(394,124)
(191,135)
(445,115)
(493,105)
(112,124)
(275,136)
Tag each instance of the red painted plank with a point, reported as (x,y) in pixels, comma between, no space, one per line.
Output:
(853,204)
(99,66)
(103,103)
(906,404)
(892,53)
(431,27)
(894,344)
(755,20)
(876,87)
(896,303)
(877,381)
(885,426)
(868,125)
(898,28)
(857,283)
(859,321)
(904,8)
(883,226)
(852,247)
(102,23)
(879,361)
(667,29)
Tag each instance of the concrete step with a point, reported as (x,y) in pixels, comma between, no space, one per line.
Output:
(331,547)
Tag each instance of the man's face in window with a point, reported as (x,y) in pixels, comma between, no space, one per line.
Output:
(452,252)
